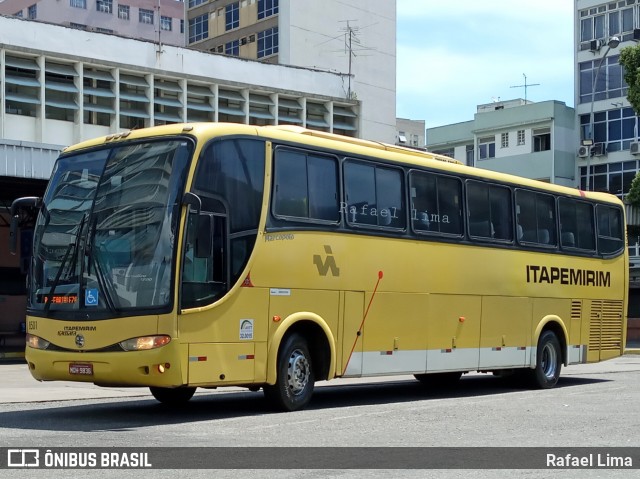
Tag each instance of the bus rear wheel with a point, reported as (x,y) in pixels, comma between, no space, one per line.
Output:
(548,362)
(172,396)
(294,385)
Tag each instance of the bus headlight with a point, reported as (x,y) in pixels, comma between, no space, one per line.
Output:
(36,342)
(145,342)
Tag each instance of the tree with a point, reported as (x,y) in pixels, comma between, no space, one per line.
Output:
(633,197)
(630,60)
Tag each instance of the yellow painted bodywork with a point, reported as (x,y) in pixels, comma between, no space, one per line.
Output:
(429,296)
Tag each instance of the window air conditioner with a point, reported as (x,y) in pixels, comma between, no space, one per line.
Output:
(583,151)
(595,45)
(598,149)
(636,35)
(635,148)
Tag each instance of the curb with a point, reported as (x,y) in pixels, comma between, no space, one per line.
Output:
(632,351)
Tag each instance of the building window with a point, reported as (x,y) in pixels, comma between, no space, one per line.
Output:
(103,30)
(33,12)
(145,16)
(267,8)
(232,15)
(268,42)
(165,23)
(610,82)
(181,26)
(487,148)
(104,6)
(232,48)
(504,140)
(541,139)
(18,14)
(198,28)
(78,3)
(598,23)
(123,12)
(469,149)
(520,137)
(614,178)
(78,26)
(195,3)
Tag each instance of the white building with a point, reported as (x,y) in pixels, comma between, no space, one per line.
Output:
(410,133)
(61,85)
(534,140)
(600,87)
(156,20)
(354,37)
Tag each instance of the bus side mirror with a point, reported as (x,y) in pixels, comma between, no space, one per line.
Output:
(13,235)
(204,236)
(26,202)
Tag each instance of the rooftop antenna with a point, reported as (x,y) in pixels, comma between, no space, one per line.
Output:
(159,50)
(350,38)
(525,86)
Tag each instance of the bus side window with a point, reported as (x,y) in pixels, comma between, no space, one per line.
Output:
(489,209)
(305,186)
(610,229)
(436,205)
(536,219)
(374,195)
(576,224)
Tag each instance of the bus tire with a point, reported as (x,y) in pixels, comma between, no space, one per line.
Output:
(439,380)
(294,385)
(172,396)
(548,362)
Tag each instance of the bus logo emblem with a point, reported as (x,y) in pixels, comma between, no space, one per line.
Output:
(329,263)
(79,340)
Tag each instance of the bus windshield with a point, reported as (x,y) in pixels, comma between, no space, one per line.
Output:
(105,237)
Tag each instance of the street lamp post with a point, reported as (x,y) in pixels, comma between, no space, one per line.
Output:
(613,43)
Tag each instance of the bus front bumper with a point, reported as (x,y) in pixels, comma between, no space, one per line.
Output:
(159,367)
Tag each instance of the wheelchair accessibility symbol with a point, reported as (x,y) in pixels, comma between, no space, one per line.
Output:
(91,297)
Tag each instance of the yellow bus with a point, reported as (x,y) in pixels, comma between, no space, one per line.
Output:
(210,255)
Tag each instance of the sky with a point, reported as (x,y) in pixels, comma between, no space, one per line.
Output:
(455,55)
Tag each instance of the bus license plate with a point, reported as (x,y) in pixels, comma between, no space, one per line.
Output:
(81,369)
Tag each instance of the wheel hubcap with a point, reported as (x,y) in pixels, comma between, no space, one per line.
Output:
(298,372)
(549,361)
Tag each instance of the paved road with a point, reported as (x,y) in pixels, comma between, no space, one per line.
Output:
(593,406)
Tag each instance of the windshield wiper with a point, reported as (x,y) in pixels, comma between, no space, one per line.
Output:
(75,246)
(105,283)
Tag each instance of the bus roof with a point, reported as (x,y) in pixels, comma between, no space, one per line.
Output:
(348,145)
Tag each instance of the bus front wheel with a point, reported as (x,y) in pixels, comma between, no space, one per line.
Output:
(172,396)
(294,386)
(548,362)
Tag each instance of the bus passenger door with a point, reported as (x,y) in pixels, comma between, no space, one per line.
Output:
(350,352)
(506,332)
(453,332)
